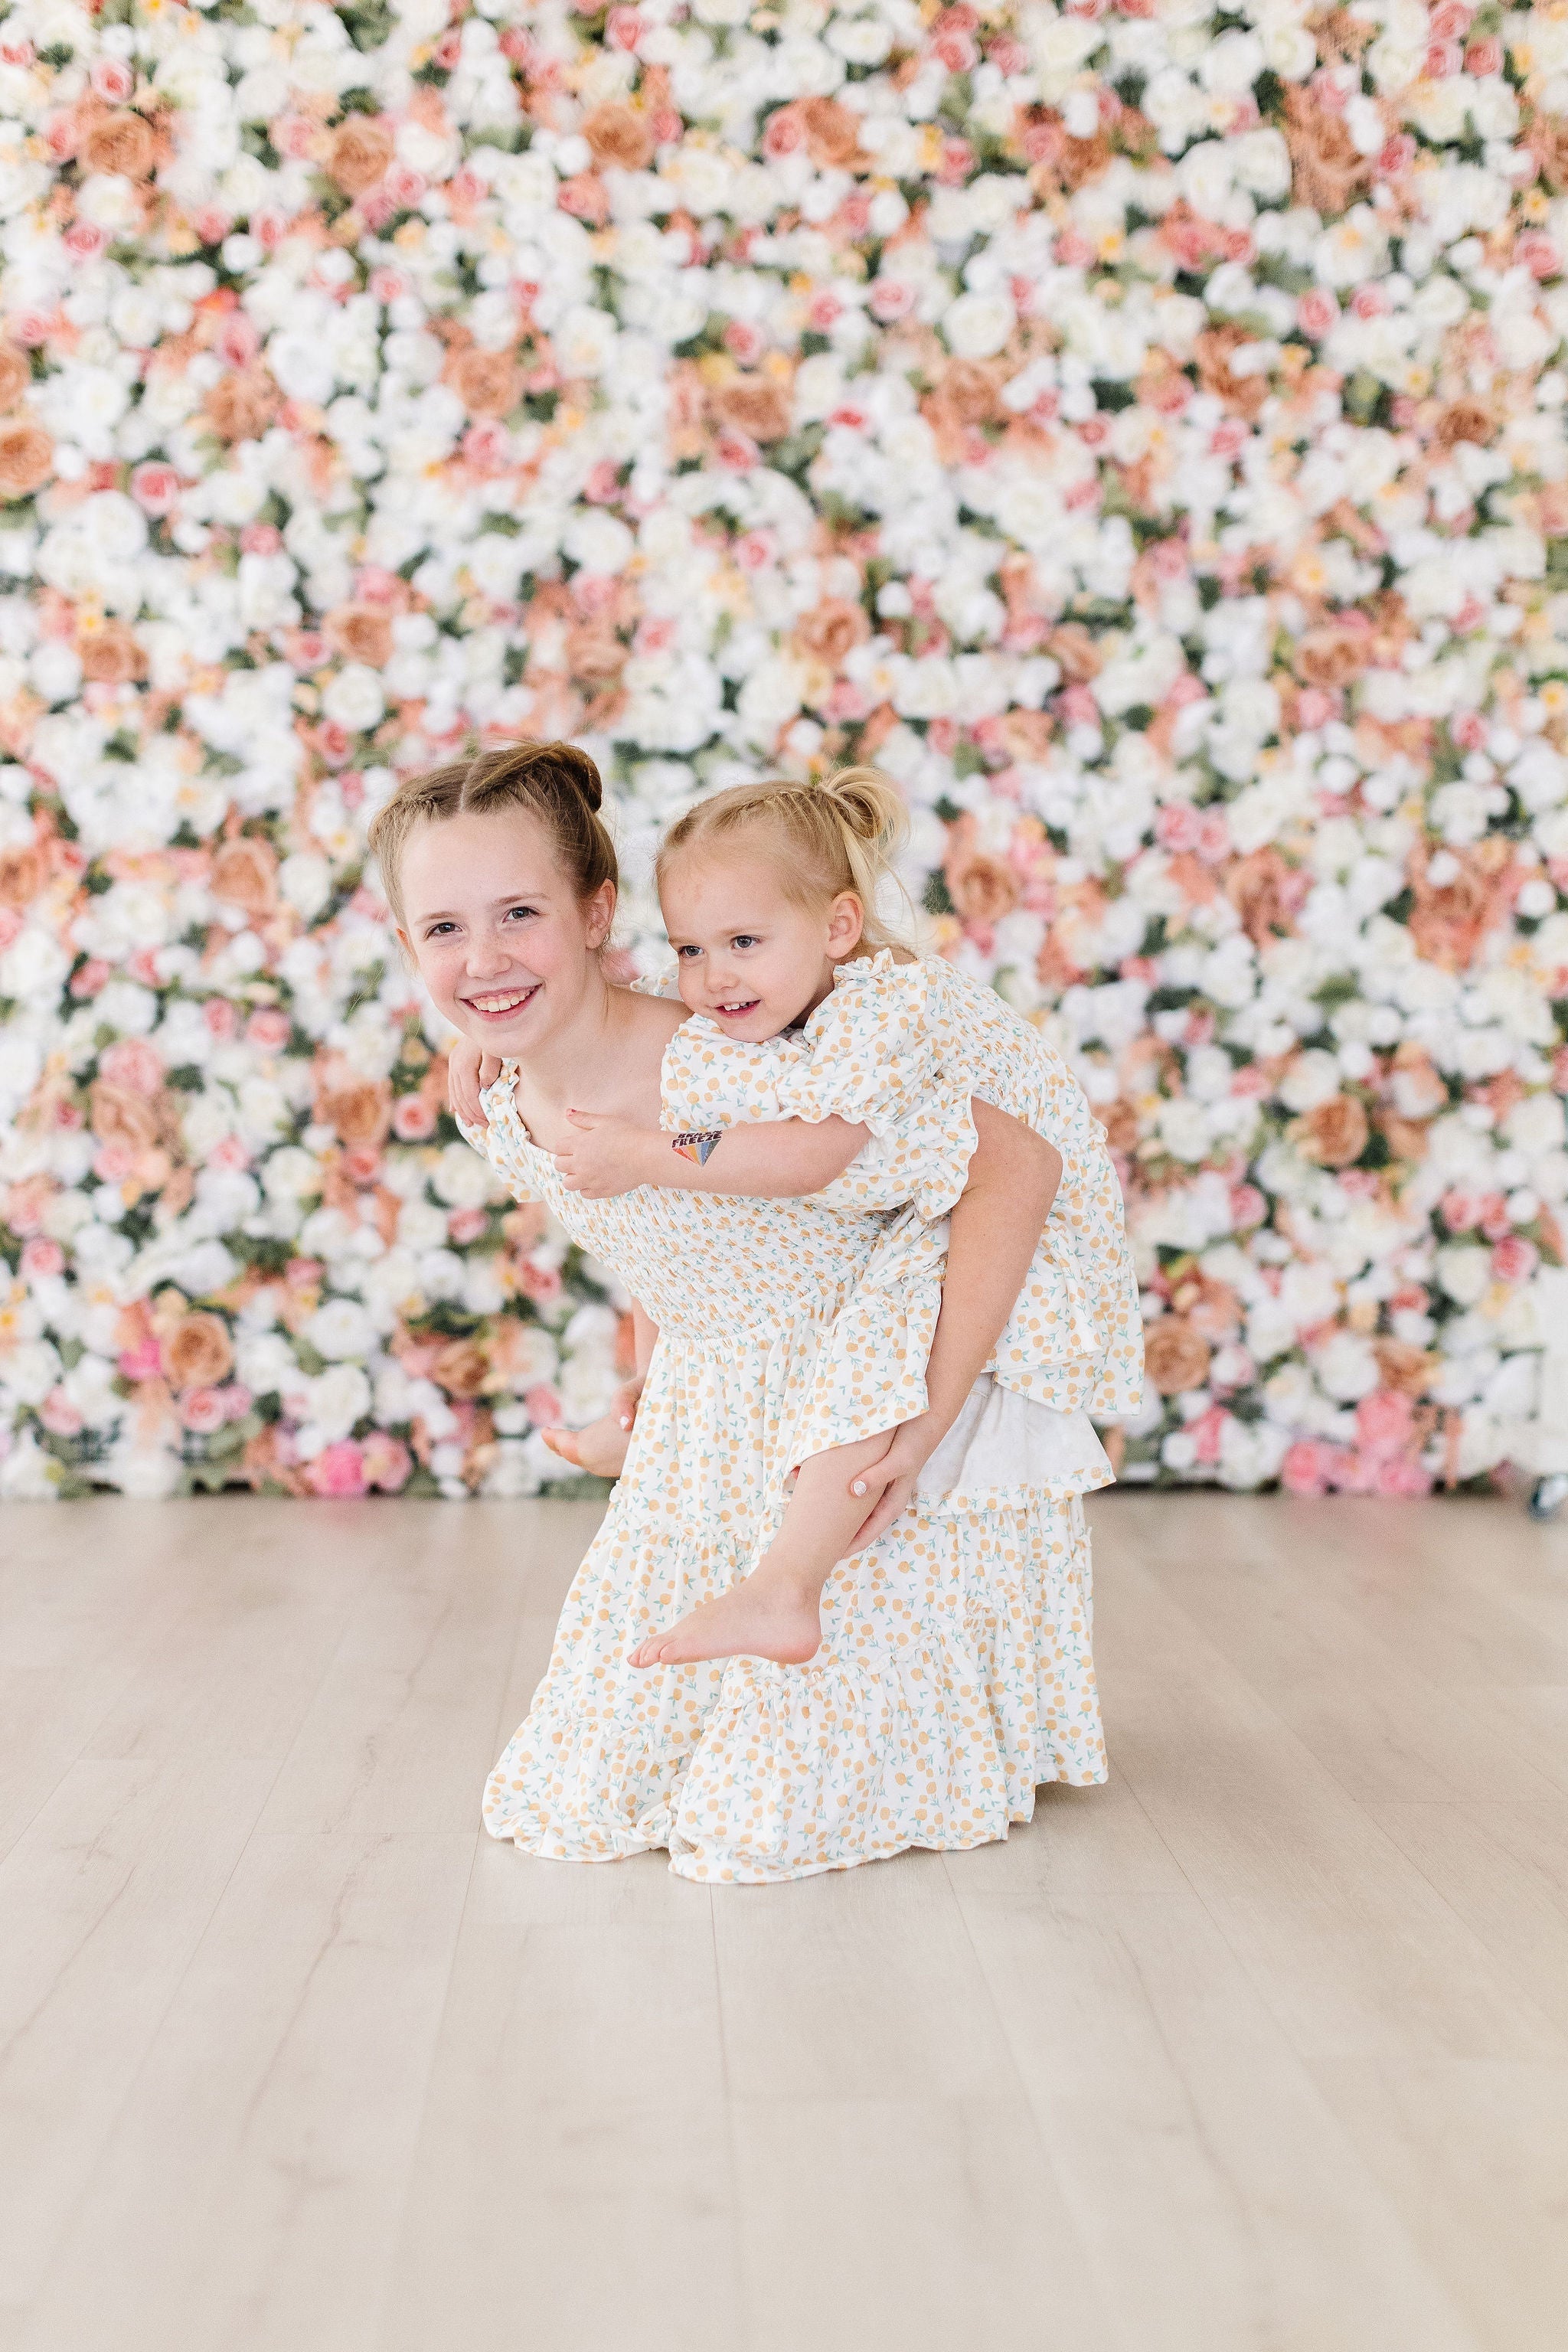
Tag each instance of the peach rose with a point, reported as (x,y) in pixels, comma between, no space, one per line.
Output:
(241,406)
(196,1353)
(26,458)
(487,383)
(983,889)
(359,1111)
(1027,735)
(244,873)
(966,394)
(755,405)
(830,630)
(1175,1357)
(1463,420)
(122,144)
(1075,651)
(1214,351)
(15,375)
(461,1368)
(1404,1368)
(23,873)
(359,153)
(110,655)
(832,133)
(1335,1133)
(361,633)
(121,1119)
(1331,655)
(594,653)
(619,135)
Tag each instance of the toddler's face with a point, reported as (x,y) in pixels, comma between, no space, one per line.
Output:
(747,955)
(500,939)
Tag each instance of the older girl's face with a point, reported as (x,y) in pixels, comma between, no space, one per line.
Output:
(497,930)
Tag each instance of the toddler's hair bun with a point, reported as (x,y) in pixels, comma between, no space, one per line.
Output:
(869,806)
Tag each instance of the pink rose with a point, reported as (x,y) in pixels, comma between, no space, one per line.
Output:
(84,240)
(1309,1467)
(388,1465)
(42,1258)
(143,1362)
(1404,1473)
(236,1400)
(59,1416)
(624,28)
(155,489)
(1385,1421)
(111,79)
(268,1029)
(412,1118)
(544,1407)
(202,1411)
(239,339)
(891,299)
(338,1470)
(230,1153)
(1538,252)
(1514,1259)
(133,1063)
(1316,312)
(466,1225)
(220,1016)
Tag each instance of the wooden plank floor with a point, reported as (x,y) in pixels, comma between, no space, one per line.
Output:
(1263,2048)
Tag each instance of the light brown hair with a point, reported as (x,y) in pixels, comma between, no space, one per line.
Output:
(555,783)
(826,839)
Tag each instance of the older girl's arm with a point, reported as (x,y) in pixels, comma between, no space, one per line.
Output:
(994,1230)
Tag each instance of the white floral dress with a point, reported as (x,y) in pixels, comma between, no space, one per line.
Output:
(955,1672)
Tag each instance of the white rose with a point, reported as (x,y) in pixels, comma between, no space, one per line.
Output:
(977,325)
(341,1328)
(1465,1272)
(34,968)
(354,698)
(599,542)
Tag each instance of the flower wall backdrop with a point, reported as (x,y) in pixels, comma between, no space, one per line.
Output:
(1140,429)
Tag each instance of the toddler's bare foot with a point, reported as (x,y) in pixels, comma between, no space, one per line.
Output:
(762,1617)
(600,1449)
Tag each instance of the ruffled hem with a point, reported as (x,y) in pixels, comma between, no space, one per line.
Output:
(955,1675)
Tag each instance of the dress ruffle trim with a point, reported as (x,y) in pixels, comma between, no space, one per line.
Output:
(927,1719)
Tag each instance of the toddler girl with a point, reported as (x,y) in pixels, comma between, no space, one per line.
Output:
(808,1017)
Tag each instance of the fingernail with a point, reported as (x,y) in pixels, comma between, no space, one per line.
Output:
(858,1487)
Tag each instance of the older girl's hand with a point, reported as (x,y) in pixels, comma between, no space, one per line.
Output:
(605,1155)
(469,1070)
(914,1442)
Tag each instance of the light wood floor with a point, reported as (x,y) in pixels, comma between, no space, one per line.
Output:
(1263,2048)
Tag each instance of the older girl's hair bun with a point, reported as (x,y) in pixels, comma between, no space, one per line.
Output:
(555,783)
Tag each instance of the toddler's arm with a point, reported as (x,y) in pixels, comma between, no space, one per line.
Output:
(771,1160)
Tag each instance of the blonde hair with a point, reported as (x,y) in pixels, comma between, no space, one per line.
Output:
(555,783)
(839,836)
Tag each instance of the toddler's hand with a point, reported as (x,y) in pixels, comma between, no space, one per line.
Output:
(604,1157)
(469,1070)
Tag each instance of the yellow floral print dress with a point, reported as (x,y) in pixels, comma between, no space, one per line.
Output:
(955,1672)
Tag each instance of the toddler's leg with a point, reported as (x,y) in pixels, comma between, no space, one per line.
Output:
(775,1612)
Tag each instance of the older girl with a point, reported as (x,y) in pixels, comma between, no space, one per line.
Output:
(954,1672)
